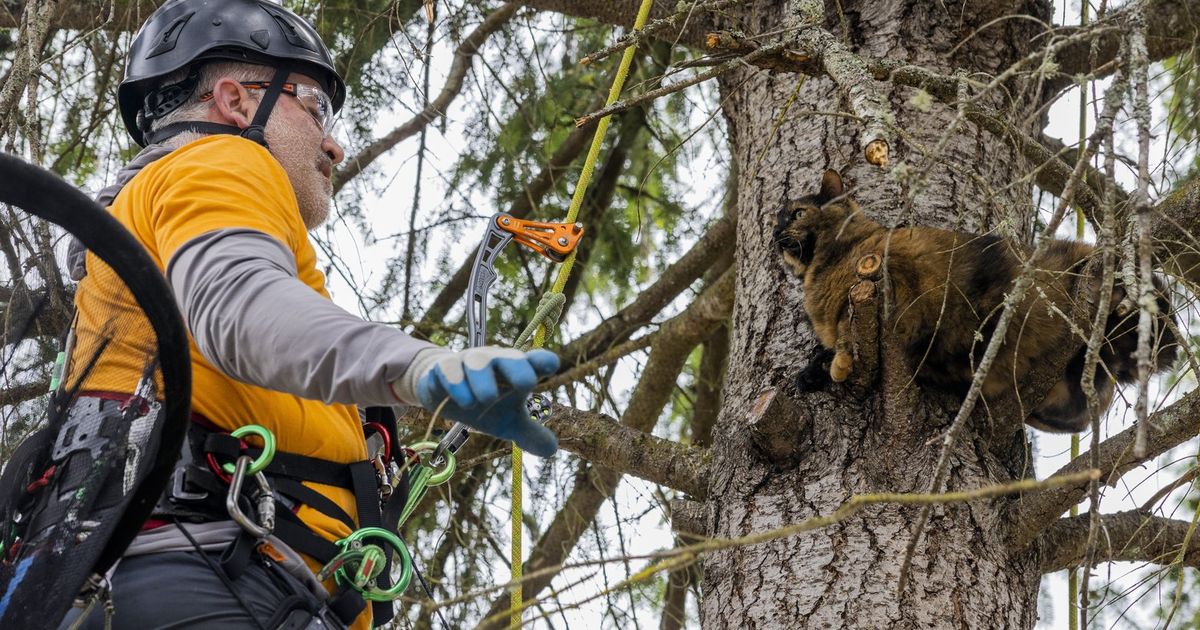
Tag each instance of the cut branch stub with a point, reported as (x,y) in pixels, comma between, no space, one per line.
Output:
(870,267)
(876,152)
(689,518)
(778,425)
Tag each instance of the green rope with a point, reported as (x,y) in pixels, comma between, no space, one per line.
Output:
(539,338)
(549,309)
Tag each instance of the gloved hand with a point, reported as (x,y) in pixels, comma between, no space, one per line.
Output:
(487,388)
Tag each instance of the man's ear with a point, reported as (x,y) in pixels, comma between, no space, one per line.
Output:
(831,187)
(233,103)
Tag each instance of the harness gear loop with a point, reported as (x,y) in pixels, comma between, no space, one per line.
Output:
(268,450)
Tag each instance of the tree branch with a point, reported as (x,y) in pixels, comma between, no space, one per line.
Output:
(82,15)
(622,13)
(1053,162)
(463,56)
(1176,223)
(674,280)
(1035,512)
(1132,536)
(599,438)
(26,391)
(1174,26)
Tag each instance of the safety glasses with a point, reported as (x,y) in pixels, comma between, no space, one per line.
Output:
(317,102)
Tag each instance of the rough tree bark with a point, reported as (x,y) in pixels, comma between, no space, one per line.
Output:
(861,440)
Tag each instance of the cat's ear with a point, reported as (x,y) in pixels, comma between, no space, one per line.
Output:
(831,187)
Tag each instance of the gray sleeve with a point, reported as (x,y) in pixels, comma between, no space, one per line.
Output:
(253,318)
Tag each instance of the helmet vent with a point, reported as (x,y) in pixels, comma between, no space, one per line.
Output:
(289,29)
(262,38)
(170,36)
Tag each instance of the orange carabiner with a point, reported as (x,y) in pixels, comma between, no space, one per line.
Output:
(553,240)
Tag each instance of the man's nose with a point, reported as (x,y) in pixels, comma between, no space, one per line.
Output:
(333,150)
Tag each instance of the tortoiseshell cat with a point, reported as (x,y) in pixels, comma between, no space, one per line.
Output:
(948,290)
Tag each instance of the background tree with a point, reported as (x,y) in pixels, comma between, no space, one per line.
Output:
(683,334)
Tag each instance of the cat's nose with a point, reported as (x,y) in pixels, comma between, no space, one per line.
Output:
(785,241)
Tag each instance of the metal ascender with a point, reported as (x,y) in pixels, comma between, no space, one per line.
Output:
(555,241)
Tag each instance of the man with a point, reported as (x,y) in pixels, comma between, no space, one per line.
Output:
(233,101)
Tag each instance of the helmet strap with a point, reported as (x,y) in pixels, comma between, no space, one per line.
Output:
(198,126)
(257,131)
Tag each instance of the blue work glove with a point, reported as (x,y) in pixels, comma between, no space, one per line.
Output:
(487,388)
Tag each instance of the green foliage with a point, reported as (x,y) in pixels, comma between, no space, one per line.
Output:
(635,227)
(1183,105)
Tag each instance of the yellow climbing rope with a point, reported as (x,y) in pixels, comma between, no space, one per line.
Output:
(516,606)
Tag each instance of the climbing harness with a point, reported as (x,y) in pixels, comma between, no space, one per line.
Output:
(211,480)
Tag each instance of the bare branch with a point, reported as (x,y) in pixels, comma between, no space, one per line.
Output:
(622,12)
(671,88)
(82,15)
(1133,536)
(1170,427)
(1174,26)
(21,393)
(634,38)
(599,438)
(651,300)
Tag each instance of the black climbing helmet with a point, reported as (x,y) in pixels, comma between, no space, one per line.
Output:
(182,33)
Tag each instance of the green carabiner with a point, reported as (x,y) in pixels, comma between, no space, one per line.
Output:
(406,568)
(442,476)
(268,451)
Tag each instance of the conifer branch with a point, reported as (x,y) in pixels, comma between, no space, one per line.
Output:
(1132,536)
(464,55)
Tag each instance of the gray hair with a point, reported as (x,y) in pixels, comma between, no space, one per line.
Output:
(194,108)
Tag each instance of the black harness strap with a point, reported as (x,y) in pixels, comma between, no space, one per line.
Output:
(295,490)
(362,475)
(305,468)
(291,530)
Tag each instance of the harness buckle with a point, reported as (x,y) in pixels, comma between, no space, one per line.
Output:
(178,492)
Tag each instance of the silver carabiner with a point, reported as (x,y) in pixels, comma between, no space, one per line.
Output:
(264,500)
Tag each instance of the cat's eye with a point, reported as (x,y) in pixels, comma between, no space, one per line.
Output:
(797,213)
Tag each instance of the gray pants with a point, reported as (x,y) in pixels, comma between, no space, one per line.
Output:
(178,589)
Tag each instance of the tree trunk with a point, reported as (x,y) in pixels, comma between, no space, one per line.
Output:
(874,438)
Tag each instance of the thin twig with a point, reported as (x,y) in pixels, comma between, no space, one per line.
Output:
(645,97)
